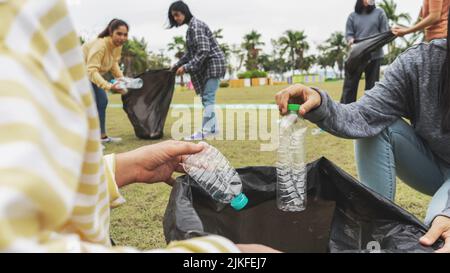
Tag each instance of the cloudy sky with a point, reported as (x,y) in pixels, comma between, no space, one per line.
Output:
(148,18)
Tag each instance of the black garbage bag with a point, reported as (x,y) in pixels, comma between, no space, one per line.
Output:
(342,215)
(147,108)
(357,62)
(360,53)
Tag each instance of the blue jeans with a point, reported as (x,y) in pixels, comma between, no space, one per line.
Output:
(209,104)
(399,151)
(101,98)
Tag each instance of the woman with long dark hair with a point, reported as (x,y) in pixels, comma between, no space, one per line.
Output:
(367,20)
(415,87)
(102,55)
(204,61)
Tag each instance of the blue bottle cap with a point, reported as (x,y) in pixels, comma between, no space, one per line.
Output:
(239,202)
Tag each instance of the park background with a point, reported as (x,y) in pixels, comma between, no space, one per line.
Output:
(268,44)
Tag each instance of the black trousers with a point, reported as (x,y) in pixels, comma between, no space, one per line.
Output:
(351,82)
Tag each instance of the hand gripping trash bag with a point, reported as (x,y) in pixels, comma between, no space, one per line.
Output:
(361,51)
(342,215)
(147,108)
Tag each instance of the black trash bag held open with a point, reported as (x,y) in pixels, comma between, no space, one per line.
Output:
(360,53)
(147,108)
(342,215)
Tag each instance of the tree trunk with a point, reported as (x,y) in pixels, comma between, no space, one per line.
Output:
(182,81)
(180,55)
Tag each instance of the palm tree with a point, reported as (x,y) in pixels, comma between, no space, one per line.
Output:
(390,8)
(252,42)
(295,43)
(238,53)
(217,34)
(158,60)
(336,46)
(225,48)
(307,63)
(279,65)
(324,59)
(135,56)
(178,45)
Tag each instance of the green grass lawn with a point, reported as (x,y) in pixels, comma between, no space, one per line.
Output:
(138,223)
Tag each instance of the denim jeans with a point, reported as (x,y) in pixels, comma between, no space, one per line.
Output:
(398,151)
(101,99)
(209,104)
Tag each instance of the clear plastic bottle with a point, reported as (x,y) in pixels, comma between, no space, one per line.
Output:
(214,173)
(126,83)
(291,166)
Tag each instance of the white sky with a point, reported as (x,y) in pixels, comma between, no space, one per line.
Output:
(148,18)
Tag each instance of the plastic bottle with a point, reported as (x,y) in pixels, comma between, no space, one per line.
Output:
(129,83)
(214,173)
(291,166)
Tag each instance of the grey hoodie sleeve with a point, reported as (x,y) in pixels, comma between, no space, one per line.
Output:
(384,23)
(375,111)
(349,29)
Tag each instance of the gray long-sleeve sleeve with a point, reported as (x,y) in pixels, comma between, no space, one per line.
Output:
(409,90)
(349,29)
(384,22)
(378,109)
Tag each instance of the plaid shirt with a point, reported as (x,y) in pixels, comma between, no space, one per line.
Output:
(204,59)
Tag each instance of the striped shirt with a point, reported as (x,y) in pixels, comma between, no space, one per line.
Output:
(56,188)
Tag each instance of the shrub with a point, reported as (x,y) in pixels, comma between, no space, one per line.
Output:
(259,74)
(225,84)
(245,75)
(253,74)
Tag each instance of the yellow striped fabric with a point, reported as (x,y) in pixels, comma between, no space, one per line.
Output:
(56,189)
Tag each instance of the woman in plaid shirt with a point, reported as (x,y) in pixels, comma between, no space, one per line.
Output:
(204,61)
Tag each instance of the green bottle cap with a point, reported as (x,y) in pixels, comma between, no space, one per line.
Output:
(294,107)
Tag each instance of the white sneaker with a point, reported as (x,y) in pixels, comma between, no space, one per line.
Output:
(195,137)
(111,140)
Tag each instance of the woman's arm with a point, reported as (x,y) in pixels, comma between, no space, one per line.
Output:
(431,19)
(376,110)
(384,22)
(350,30)
(94,61)
(184,60)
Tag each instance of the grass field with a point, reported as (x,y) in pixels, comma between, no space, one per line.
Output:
(138,223)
